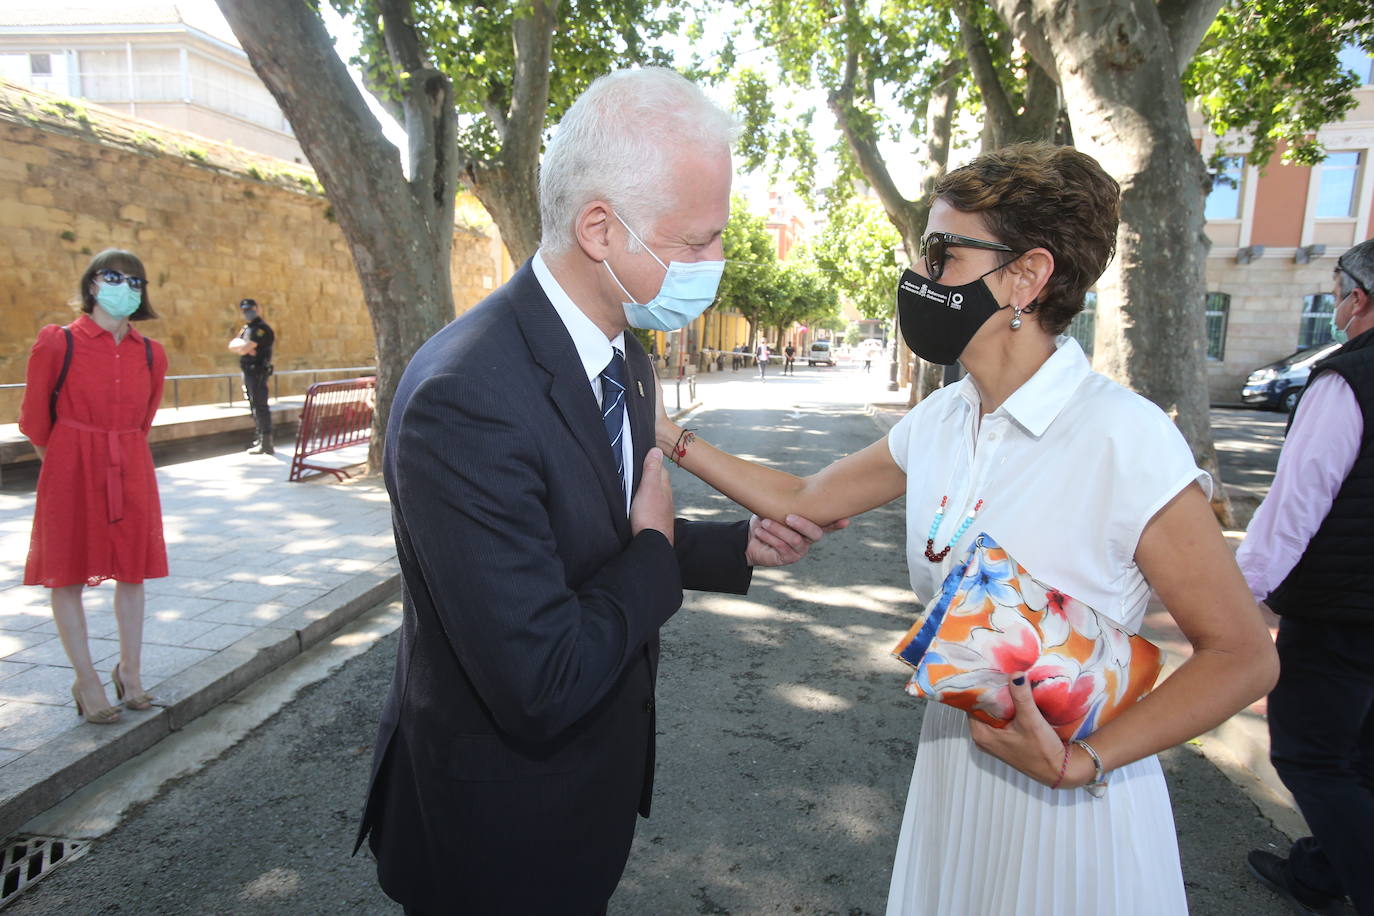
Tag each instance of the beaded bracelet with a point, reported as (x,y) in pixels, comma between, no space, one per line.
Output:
(1063,767)
(684,439)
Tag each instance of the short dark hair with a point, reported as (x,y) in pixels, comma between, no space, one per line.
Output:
(126,262)
(1038,195)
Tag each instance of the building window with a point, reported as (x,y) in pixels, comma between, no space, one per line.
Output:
(40,64)
(1337,179)
(1223,201)
(1316,320)
(1355,59)
(1216,307)
(1082,326)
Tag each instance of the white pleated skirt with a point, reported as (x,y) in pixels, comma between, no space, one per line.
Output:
(982,839)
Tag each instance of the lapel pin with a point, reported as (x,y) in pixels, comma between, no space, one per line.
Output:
(640,386)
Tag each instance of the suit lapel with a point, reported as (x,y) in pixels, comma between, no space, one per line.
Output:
(552,347)
(639,400)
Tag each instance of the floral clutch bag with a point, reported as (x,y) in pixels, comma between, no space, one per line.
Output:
(992,618)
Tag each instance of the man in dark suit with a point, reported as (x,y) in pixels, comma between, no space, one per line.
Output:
(535,530)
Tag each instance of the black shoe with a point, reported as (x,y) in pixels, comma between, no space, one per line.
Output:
(263,446)
(1273,873)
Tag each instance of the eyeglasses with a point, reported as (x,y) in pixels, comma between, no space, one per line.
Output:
(936,245)
(114,278)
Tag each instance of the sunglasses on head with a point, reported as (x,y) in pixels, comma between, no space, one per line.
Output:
(114,278)
(936,245)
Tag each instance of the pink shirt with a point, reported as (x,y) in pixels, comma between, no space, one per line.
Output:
(1316,458)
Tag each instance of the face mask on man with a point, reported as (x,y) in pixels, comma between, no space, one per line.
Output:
(119,301)
(938,321)
(686,292)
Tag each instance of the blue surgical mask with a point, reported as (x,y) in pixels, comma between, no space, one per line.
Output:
(119,301)
(687,291)
(1340,334)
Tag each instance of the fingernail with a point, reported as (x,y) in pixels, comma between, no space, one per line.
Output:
(1019,680)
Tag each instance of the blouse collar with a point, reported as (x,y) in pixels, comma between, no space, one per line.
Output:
(1044,395)
(86,325)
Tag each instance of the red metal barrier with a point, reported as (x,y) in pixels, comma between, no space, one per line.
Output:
(336,415)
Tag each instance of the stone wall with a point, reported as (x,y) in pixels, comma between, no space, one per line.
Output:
(1265,315)
(212,224)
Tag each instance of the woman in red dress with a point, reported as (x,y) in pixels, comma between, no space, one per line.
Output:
(97,515)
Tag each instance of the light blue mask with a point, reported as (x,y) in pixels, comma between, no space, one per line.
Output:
(687,291)
(118,300)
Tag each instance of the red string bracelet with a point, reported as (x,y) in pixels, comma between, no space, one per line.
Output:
(684,439)
(1063,767)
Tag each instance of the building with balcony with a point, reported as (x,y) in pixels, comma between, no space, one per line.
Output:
(174,63)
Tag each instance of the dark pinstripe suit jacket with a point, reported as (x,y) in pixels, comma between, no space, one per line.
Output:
(517,742)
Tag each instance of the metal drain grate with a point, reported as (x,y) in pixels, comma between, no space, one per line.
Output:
(30,858)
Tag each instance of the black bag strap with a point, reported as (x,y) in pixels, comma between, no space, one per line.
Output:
(148,353)
(61,376)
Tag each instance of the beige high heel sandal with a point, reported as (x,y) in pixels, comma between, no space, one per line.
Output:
(143,700)
(107,716)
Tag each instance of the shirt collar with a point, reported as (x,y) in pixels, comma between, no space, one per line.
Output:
(593,349)
(1042,396)
(86,325)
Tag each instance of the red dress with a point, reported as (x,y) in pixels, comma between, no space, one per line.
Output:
(97,516)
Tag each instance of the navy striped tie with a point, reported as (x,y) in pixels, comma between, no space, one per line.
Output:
(613,408)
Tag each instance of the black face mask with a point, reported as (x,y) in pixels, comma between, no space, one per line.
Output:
(938,321)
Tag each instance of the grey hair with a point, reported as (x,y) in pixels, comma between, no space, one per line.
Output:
(1358,264)
(616,143)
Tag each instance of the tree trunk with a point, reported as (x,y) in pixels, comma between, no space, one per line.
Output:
(1118,67)
(399,232)
(508,186)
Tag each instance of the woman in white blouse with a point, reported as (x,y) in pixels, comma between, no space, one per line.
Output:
(1090,487)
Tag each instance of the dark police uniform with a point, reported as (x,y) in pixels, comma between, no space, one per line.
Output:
(256,369)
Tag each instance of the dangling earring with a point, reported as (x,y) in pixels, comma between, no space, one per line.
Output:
(1016,318)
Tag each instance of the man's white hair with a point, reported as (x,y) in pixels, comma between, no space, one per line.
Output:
(617,143)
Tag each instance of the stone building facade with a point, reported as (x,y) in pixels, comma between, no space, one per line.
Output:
(213,223)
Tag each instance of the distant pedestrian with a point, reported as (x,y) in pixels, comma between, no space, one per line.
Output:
(789,354)
(761,356)
(91,391)
(253,344)
(1306,554)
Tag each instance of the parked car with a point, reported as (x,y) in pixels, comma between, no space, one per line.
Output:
(1277,385)
(820,352)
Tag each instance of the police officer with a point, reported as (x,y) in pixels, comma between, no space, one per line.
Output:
(254,347)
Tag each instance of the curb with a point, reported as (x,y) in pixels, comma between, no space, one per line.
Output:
(43,777)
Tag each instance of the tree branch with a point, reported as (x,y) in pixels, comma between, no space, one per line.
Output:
(1186,22)
(533,38)
(427,103)
(1019,15)
(288,47)
(998,106)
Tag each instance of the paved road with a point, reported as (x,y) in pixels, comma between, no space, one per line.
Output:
(785,749)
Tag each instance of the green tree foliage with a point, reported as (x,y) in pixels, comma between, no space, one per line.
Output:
(751,280)
(804,295)
(513,65)
(1271,71)
(857,249)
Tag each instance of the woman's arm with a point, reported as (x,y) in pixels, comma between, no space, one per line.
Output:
(864,480)
(1193,572)
(45,363)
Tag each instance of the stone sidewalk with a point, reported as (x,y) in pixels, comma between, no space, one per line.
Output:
(260,570)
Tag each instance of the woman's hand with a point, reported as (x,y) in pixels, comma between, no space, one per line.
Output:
(1028,742)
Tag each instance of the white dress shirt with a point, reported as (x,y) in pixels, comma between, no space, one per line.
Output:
(593,349)
(1318,453)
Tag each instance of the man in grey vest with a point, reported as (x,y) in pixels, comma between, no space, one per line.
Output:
(1307,554)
